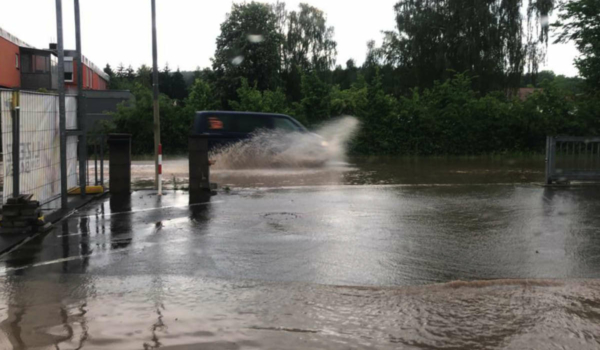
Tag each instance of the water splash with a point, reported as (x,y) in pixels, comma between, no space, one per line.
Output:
(278,149)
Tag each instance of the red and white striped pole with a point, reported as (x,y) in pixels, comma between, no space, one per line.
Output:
(160,169)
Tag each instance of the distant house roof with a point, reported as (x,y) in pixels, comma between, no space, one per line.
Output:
(524,93)
(13,39)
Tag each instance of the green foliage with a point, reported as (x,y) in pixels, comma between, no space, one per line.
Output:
(451,119)
(307,45)
(435,38)
(250,99)
(569,85)
(308,42)
(137,120)
(201,97)
(579,21)
(352,101)
(248,46)
(315,104)
(178,86)
(407,94)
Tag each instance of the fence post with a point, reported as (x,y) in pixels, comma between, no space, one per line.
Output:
(102,142)
(16,142)
(550,158)
(119,165)
(80,104)
(199,169)
(64,201)
(96,161)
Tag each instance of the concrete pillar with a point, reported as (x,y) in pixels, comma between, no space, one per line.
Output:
(119,163)
(199,169)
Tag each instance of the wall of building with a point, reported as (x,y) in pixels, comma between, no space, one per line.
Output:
(91,79)
(10,75)
(99,104)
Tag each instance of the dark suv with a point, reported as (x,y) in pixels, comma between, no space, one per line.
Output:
(223,128)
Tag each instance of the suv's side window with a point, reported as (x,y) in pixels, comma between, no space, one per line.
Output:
(284,124)
(251,123)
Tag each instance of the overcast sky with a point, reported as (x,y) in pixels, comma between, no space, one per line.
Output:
(119,31)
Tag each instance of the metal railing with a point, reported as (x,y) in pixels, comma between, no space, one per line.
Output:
(97,151)
(571,158)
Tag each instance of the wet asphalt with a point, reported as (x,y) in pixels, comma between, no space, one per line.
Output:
(340,235)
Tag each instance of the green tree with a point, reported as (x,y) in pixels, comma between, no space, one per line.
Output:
(345,77)
(352,101)
(121,71)
(307,44)
(178,87)
(144,76)
(250,99)
(248,46)
(136,119)
(201,97)
(314,107)
(165,81)
(579,22)
(130,74)
(111,74)
(436,38)
(531,79)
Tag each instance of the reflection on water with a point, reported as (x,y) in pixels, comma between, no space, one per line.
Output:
(121,230)
(143,312)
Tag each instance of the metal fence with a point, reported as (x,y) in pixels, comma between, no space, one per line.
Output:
(39,144)
(96,168)
(570,158)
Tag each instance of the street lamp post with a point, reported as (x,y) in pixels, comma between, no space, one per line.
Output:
(61,106)
(155,95)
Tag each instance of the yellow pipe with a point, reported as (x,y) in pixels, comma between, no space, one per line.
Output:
(88,190)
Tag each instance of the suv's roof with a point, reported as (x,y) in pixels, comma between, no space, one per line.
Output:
(201,119)
(243,113)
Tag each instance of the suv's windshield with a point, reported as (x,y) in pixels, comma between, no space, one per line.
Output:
(285,124)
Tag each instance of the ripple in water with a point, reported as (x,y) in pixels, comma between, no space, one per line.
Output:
(195,312)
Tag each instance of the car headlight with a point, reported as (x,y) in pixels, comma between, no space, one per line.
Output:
(324,143)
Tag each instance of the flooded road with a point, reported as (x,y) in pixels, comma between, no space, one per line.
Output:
(360,255)
(359,171)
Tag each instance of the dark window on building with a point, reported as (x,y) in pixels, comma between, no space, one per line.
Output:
(26,63)
(69,71)
(42,64)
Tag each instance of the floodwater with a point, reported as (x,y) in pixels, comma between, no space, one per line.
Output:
(377,253)
(358,171)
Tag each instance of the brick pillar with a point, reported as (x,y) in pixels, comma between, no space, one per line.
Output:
(119,146)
